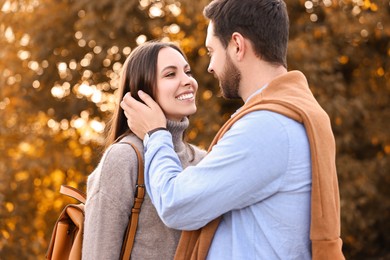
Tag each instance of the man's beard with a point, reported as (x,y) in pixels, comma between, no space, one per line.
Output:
(230,80)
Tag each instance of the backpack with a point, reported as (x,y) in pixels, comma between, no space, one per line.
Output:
(67,236)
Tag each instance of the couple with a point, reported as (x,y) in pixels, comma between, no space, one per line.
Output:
(267,188)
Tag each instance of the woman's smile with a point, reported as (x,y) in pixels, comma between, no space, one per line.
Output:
(188,96)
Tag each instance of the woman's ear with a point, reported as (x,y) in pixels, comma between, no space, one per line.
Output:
(239,45)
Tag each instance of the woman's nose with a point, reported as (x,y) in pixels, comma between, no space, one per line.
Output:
(186,79)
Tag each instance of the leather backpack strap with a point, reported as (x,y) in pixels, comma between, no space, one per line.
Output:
(74,193)
(131,230)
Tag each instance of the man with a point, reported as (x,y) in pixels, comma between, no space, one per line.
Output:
(268,187)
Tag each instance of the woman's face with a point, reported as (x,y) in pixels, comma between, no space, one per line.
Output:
(176,88)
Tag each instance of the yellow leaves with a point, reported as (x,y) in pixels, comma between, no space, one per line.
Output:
(5,234)
(41,234)
(185,42)
(46,182)
(374,7)
(207,94)
(368,5)
(21,176)
(44,205)
(374,140)
(320,32)
(13,186)
(75,147)
(73,183)
(26,148)
(343,59)
(11,225)
(37,182)
(51,179)
(58,204)
(338,121)
(380,72)
(216,127)
(57,177)
(13,153)
(31,148)
(202,51)
(50,202)
(364,5)
(192,134)
(9,206)
(87,154)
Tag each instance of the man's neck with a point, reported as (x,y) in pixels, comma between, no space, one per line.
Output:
(257,75)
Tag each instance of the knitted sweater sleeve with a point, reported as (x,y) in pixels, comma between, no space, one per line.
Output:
(110,190)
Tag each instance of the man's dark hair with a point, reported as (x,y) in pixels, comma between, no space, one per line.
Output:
(264,22)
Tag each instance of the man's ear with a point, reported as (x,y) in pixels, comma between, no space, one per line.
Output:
(238,45)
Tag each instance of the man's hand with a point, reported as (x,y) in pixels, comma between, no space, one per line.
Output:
(142,118)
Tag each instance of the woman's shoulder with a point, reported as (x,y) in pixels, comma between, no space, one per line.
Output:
(131,139)
(122,149)
(198,149)
(121,156)
(198,153)
(118,168)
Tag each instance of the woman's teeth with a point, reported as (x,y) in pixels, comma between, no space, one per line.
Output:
(185,96)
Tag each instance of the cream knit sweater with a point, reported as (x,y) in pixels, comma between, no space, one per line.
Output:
(110,196)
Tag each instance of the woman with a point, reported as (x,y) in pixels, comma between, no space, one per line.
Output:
(162,71)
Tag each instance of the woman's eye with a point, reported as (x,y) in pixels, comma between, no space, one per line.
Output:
(189,72)
(171,74)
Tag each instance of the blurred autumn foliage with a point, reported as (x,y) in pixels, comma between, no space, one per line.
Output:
(59,63)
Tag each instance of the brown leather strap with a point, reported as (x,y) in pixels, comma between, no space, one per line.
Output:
(131,230)
(74,193)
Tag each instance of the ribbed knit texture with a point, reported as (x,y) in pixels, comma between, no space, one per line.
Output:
(110,196)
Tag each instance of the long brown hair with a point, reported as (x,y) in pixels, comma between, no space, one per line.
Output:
(139,72)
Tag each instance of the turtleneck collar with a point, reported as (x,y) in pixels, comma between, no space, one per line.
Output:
(177,129)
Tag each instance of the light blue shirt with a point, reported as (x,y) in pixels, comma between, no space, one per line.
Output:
(258,177)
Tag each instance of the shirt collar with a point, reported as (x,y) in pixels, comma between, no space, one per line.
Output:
(256,92)
(251,96)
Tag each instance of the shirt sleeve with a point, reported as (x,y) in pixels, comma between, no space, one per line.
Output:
(244,168)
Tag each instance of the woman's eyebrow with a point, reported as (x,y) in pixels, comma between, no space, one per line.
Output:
(169,67)
(175,67)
